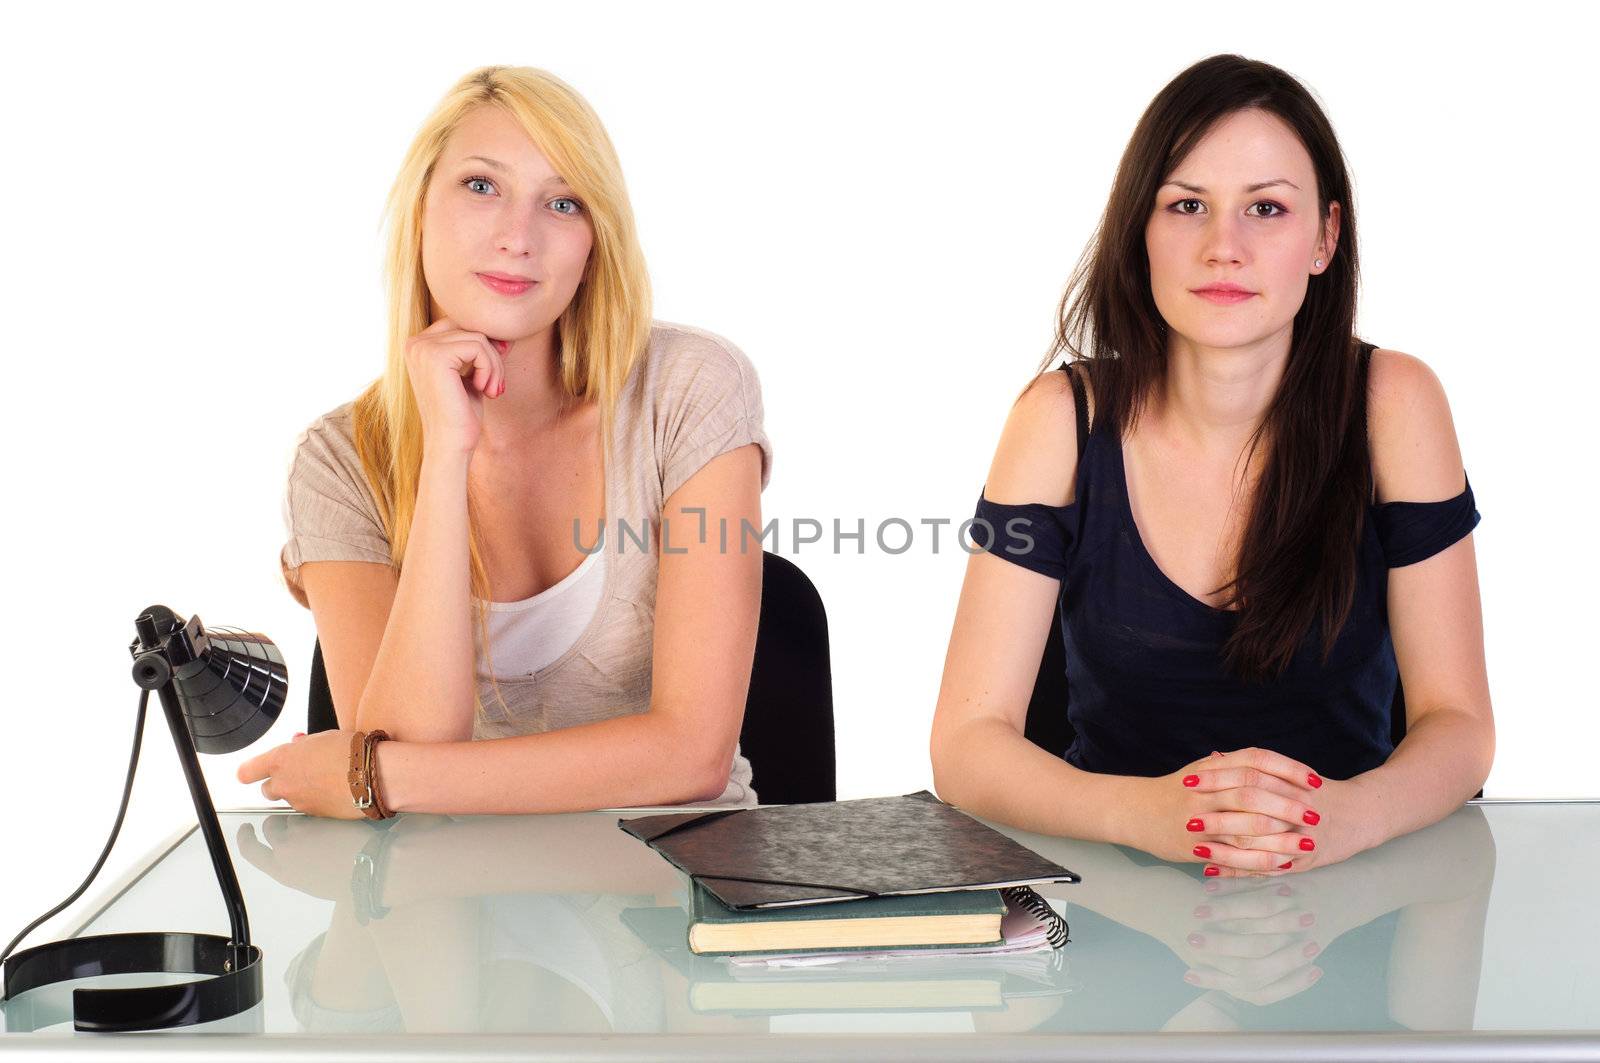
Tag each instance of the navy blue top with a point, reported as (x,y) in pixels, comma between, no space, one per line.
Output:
(1147,688)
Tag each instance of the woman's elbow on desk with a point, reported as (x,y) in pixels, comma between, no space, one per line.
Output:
(956,750)
(693,768)
(698,790)
(945,773)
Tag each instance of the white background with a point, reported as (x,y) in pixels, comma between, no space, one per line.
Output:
(879,207)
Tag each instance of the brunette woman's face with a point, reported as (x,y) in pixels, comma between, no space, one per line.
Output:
(496,206)
(1240,211)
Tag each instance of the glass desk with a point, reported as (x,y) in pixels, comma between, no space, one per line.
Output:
(560,937)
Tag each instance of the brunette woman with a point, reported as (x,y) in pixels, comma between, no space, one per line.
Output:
(1251,524)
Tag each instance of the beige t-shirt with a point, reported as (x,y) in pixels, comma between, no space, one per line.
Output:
(690,397)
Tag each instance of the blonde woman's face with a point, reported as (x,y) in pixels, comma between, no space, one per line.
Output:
(1240,210)
(496,207)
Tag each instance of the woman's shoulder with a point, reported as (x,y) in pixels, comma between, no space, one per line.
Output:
(695,396)
(687,374)
(682,355)
(332,432)
(1415,454)
(337,421)
(324,458)
(1037,456)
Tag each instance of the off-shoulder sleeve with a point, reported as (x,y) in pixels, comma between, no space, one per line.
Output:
(1036,536)
(1414,531)
(708,402)
(329,513)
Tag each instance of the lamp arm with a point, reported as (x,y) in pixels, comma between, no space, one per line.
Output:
(206,813)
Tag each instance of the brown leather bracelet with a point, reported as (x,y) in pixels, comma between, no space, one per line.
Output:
(363,774)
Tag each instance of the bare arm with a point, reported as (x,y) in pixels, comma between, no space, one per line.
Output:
(676,752)
(1435,614)
(981,760)
(398,649)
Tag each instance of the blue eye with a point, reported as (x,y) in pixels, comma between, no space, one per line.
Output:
(576,207)
(468,182)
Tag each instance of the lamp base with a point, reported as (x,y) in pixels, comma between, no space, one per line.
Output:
(233,984)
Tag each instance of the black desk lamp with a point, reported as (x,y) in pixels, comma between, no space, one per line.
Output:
(221,690)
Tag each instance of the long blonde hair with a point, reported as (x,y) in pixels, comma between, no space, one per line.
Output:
(599,336)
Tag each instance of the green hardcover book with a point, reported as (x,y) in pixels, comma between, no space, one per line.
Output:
(921,920)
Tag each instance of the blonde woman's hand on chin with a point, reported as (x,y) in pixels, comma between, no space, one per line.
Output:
(452,371)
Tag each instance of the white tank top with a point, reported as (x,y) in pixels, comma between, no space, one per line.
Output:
(527,635)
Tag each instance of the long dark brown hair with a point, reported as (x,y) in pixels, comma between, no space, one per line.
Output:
(1297,559)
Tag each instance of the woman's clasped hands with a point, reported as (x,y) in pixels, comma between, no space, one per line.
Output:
(1255,812)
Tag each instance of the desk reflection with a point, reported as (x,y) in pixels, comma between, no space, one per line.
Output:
(566,924)
(1391,939)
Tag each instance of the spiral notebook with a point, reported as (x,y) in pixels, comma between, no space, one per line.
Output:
(773,856)
(966,978)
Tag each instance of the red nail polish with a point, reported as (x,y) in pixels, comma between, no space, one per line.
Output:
(1311,817)
(1197,940)
(1196,825)
(1314,780)
(1307,844)
(1286,865)
(1311,949)
(1203,852)
(1213,871)
(1191,780)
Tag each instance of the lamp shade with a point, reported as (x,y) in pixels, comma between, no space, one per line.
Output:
(230,684)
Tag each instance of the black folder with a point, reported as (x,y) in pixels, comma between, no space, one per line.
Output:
(774,856)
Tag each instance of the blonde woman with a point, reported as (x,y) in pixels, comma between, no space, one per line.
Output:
(479,534)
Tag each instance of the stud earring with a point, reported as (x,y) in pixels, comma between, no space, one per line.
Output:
(1319,263)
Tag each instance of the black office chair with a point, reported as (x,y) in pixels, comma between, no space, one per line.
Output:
(1047,725)
(788,717)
